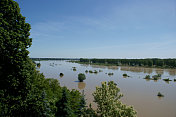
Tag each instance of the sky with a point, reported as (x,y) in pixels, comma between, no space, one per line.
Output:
(101,28)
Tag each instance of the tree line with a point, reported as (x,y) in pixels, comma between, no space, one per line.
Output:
(42,59)
(151,62)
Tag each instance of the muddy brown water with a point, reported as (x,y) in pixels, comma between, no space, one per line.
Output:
(140,93)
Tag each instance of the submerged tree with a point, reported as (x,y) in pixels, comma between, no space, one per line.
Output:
(107,98)
(81,77)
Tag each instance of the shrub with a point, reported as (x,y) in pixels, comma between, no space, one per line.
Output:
(81,77)
(159,75)
(86,71)
(125,75)
(155,78)
(95,71)
(160,95)
(61,74)
(38,65)
(110,74)
(90,71)
(167,79)
(74,69)
(147,77)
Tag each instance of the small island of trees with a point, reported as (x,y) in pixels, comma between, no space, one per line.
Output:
(81,77)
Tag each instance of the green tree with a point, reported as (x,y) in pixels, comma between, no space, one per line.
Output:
(75,100)
(53,93)
(64,105)
(109,105)
(21,88)
(81,77)
(82,105)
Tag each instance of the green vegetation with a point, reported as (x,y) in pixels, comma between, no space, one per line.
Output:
(81,77)
(160,95)
(125,75)
(20,82)
(153,62)
(147,77)
(38,65)
(46,59)
(86,71)
(110,74)
(108,102)
(90,71)
(156,77)
(174,80)
(95,71)
(167,79)
(61,74)
(74,69)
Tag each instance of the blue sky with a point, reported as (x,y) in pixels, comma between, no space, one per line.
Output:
(101,28)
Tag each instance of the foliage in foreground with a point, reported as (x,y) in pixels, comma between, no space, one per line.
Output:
(24,91)
(107,98)
(20,91)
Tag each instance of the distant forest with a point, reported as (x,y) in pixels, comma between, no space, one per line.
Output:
(149,62)
(42,59)
(153,62)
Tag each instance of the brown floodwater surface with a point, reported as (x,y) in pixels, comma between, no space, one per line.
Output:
(137,91)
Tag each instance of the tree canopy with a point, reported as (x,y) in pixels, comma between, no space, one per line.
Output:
(108,101)
(17,70)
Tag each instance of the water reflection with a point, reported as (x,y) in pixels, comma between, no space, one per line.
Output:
(159,97)
(61,76)
(98,66)
(159,71)
(148,70)
(147,80)
(155,80)
(136,69)
(172,72)
(81,85)
(167,82)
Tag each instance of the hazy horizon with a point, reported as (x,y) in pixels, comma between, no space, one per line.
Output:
(101,29)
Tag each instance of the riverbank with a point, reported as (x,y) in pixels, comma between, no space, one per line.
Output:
(107,64)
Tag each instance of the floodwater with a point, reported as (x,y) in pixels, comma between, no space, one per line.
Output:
(140,93)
